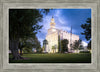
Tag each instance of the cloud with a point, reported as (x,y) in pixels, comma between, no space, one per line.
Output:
(58,15)
(84,43)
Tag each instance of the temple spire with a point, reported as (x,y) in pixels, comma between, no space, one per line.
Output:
(52,23)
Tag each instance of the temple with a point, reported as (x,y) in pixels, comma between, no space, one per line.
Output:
(54,37)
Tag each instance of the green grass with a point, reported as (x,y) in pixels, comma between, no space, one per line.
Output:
(55,58)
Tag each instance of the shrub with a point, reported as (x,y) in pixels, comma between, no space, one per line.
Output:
(84,51)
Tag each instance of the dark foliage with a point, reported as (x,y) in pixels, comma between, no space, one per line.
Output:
(23,23)
(87,29)
(64,45)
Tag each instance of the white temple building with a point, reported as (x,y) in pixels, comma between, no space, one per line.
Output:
(53,35)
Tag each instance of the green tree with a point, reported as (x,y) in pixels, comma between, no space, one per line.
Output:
(89,45)
(81,47)
(43,48)
(40,50)
(53,48)
(21,45)
(28,47)
(59,48)
(87,31)
(64,45)
(29,43)
(37,45)
(23,23)
(80,44)
(77,44)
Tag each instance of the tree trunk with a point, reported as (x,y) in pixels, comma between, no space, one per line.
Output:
(14,50)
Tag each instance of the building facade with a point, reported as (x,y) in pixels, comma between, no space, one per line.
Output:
(54,35)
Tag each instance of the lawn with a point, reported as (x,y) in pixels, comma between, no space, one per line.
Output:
(55,58)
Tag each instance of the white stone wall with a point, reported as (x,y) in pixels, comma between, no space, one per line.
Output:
(52,38)
(66,35)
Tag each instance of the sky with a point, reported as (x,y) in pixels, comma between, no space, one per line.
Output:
(64,19)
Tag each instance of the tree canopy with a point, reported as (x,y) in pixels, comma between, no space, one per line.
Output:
(64,45)
(77,44)
(23,23)
(87,29)
(59,46)
(89,45)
